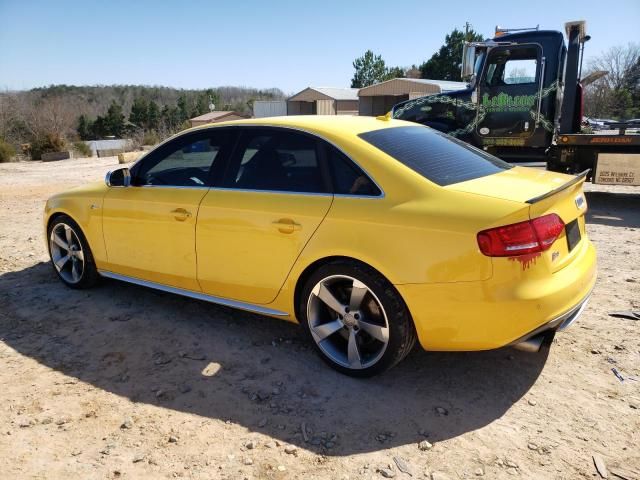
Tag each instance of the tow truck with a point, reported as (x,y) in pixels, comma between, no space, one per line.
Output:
(523,103)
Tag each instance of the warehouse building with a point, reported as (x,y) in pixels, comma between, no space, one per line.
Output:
(324,101)
(378,99)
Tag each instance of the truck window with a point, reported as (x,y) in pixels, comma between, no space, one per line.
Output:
(439,158)
(511,66)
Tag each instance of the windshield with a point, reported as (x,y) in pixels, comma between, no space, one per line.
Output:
(437,157)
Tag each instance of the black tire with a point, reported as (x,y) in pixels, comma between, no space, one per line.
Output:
(89,275)
(401,331)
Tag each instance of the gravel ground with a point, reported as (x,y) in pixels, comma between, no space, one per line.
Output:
(125,382)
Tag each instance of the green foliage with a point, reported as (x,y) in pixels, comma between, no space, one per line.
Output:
(183,108)
(632,85)
(171,117)
(445,64)
(369,69)
(84,128)
(617,94)
(49,143)
(621,103)
(395,72)
(82,149)
(139,111)
(153,116)
(114,121)
(6,151)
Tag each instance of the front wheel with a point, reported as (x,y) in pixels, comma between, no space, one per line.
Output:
(356,319)
(70,253)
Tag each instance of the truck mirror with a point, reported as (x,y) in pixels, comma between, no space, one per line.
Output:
(468,61)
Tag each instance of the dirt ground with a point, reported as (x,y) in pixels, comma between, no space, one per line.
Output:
(125,382)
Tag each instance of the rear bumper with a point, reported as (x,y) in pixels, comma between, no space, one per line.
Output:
(560,323)
(500,311)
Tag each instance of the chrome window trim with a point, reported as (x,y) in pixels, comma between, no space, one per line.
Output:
(181,187)
(270,125)
(364,197)
(196,295)
(285,192)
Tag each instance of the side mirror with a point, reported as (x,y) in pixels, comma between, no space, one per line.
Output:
(468,61)
(120,177)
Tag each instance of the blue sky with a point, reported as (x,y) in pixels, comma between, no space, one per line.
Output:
(290,45)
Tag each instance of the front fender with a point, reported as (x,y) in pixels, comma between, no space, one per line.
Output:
(84,206)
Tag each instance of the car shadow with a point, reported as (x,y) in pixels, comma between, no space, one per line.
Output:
(258,372)
(614,209)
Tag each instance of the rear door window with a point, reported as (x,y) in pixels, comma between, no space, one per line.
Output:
(437,157)
(277,160)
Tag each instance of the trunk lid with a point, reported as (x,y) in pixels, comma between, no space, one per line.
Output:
(546,193)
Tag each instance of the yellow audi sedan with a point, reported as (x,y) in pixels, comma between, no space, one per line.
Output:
(371,233)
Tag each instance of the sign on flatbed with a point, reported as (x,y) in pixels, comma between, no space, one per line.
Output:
(618,169)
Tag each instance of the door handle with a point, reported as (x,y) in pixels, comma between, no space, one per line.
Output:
(286,225)
(181,214)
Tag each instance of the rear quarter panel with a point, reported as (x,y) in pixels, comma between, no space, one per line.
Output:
(417,233)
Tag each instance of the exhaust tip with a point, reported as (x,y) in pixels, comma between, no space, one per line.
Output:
(531,345)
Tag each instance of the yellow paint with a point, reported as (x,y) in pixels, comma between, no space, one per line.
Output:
(420,236)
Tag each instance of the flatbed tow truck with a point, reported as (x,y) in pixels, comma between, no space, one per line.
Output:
(523,103)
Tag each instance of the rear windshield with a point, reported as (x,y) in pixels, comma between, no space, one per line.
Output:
(437,157)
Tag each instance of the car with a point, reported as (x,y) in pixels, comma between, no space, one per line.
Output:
(371,233)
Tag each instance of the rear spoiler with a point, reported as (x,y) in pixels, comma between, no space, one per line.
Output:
(578,178)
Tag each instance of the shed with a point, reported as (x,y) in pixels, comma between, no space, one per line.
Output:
(324,101)
(378,99)
(214,117)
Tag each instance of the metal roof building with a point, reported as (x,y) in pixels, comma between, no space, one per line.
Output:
(216,116)
(378,99)
(324,101)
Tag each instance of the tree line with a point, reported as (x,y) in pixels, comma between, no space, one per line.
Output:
(57,117)
(616,95)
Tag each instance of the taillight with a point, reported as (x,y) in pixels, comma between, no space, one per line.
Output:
(531,236)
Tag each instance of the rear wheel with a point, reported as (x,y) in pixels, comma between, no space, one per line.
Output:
(70,253)
(356,319)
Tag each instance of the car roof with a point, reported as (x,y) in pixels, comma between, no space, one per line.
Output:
(320,124)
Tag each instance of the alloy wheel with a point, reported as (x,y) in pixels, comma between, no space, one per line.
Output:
(347,322)
(66,253)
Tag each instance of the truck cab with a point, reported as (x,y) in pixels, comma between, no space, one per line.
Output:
(523,103)
(509,107)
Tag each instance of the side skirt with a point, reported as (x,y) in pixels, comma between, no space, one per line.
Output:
(197,295)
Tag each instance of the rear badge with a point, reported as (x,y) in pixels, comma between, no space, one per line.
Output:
(554,256)
(484,131)
(579,202)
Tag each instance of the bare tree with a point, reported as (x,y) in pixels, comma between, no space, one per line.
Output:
(618,61)
(613,95)
(7,115)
